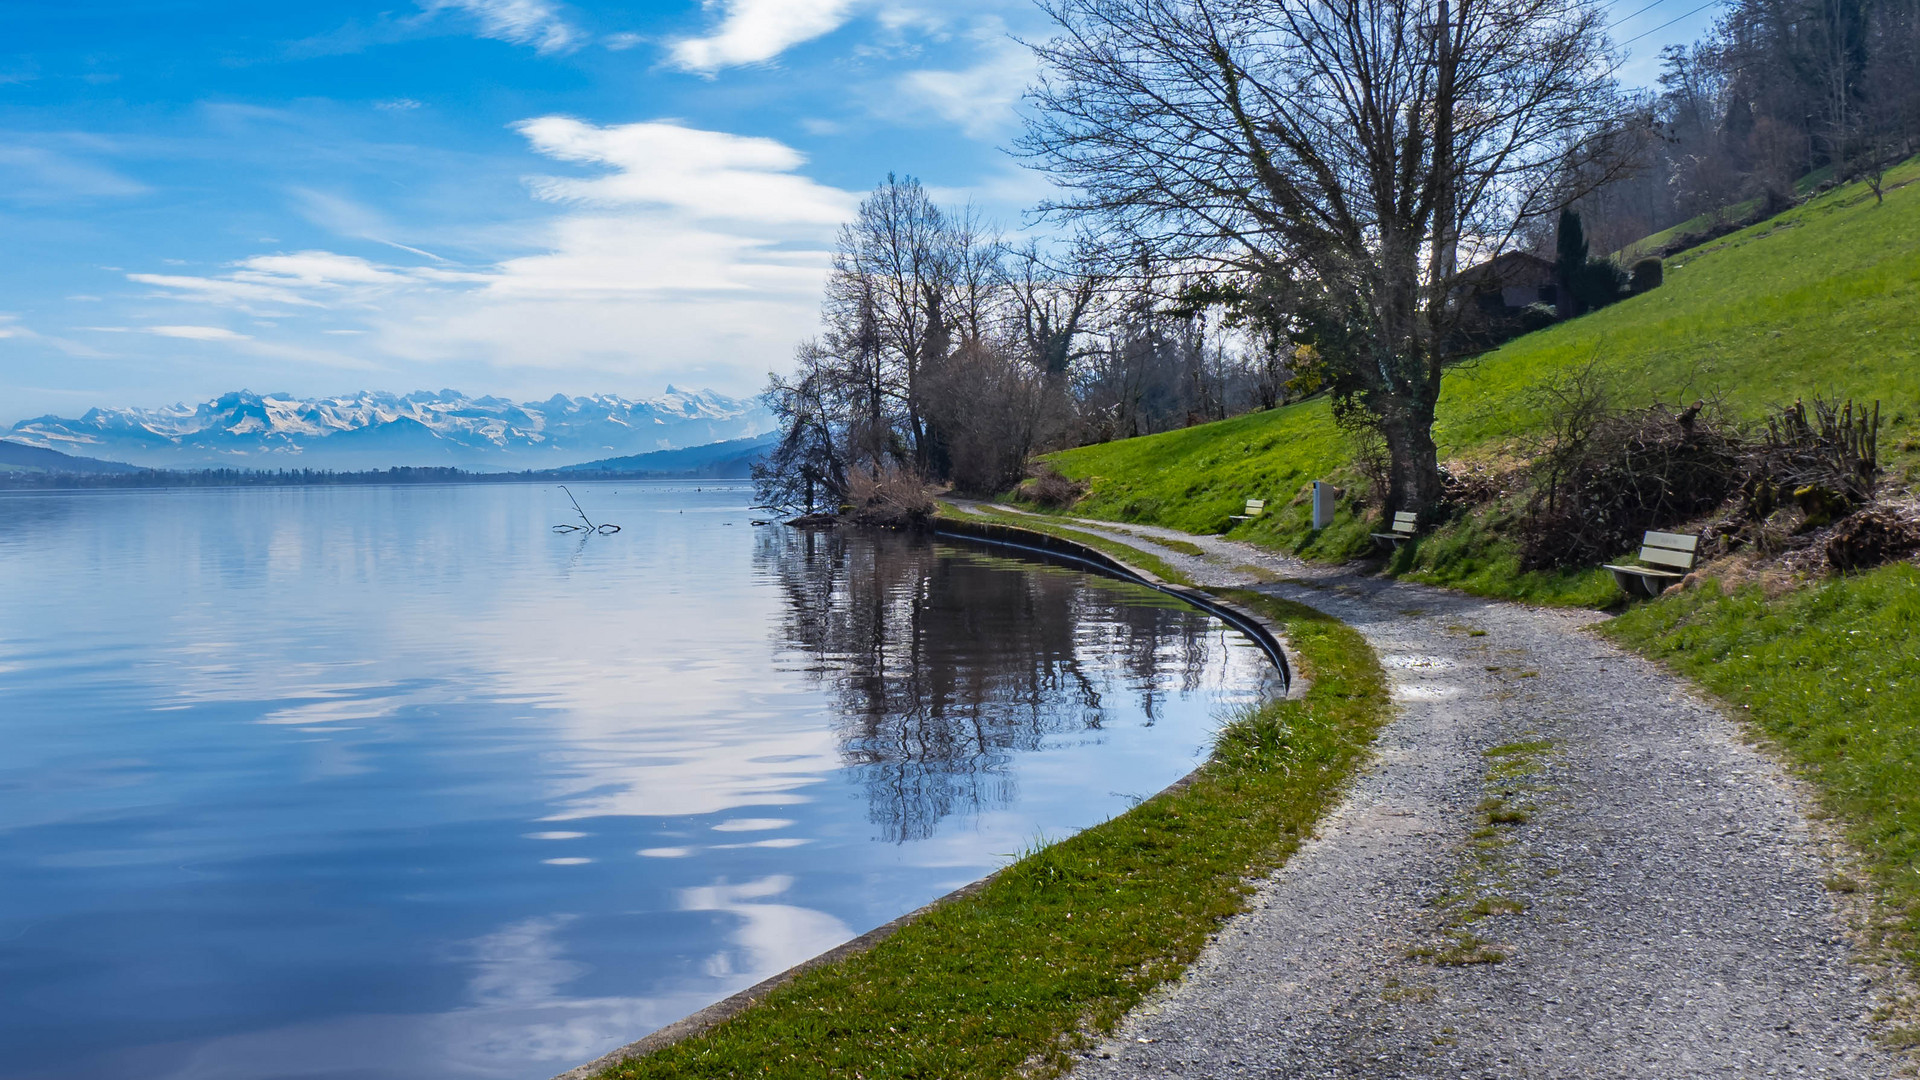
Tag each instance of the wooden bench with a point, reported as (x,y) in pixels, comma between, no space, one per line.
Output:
(1255,507)
(1674,555)
(1403,531)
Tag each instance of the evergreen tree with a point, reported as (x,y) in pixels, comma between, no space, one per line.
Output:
(1570,262)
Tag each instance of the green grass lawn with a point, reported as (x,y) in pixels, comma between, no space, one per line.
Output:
(1830,673)
(1005,982)
(1702,222)
(1824,298)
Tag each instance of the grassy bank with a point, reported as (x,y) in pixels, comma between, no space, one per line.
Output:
(1831,674)
(1823,298)
(1007,981)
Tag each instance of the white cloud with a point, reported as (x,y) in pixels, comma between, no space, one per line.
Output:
(32,174)
(979,99)
(241,294)
(197,333)
(751,31)
(397,105)
(522,22)
(314,268)
(708,174)
(312,279)
(689,253)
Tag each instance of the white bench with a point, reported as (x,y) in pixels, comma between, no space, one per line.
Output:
(1403,531)
(1674,555)
(1255,507)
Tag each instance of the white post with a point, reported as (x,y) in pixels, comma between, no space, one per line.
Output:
(1325,498)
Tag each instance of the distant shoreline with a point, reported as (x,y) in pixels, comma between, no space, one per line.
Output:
(22,480)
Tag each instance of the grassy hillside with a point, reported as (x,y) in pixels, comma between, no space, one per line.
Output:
(1647,245)
(1824,298)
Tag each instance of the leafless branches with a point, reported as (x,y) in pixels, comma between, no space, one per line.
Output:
(1342,153)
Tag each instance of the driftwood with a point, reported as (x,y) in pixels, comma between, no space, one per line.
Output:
(589,528)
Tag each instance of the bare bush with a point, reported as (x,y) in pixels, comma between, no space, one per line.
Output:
(1825,458)
(1046,487)
(1602,475)
(890,498)
(1370,455)
(983,407)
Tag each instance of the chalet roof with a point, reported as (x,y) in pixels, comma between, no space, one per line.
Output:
(1508,268)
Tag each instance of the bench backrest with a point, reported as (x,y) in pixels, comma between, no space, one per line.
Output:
(1404,520)
(1255,507)
(1669,549)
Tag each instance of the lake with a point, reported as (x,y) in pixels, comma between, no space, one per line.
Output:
(383,782)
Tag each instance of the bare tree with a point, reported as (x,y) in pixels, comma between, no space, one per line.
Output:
(1339,153)
(895,268)
(1051,304)
(918,374)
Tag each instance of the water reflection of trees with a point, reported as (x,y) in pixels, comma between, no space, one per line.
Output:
(944,663)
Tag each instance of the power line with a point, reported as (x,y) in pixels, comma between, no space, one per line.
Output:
(1670,22)
(1637,14)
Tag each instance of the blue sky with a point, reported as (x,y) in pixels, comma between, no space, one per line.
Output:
(519,197)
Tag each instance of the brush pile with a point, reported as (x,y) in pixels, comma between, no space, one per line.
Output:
(1605,476)
(1622,474)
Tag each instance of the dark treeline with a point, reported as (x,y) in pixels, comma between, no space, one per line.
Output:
(1780,91)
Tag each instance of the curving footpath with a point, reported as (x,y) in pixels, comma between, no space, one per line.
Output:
(1622,888)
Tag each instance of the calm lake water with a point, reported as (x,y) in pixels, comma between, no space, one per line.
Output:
(380,782)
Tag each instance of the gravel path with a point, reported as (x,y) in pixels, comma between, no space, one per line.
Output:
(1650,880)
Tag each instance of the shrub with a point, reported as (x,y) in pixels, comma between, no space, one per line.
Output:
(1602,476)
(1046,487)
(1598,283)
(892,498)
(1647,275)
(1636,470)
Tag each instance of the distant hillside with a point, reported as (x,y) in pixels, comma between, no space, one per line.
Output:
(23,458)
(1824,298)
(730,460)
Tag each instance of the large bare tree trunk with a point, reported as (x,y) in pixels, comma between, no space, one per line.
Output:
(1413,479)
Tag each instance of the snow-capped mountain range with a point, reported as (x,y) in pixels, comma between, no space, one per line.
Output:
(374,430)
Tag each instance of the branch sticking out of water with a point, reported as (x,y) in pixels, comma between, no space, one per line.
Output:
(589,528)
